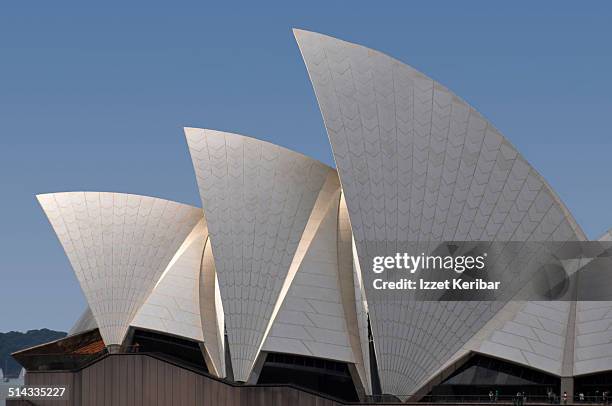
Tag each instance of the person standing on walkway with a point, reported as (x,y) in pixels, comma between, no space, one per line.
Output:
(519,399)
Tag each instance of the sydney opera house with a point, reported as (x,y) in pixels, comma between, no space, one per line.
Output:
(258,297)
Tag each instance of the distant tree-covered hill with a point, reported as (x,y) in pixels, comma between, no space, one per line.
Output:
(15,341)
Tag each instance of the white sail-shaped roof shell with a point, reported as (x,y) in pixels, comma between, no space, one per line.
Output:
(174,304)
(593,351)
(593,335)
(118,245)
(417,163)
(257,198)
(310,319)
(318,315)
(184,302)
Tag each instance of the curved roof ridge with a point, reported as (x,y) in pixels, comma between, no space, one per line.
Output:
(116,193)
(189,130)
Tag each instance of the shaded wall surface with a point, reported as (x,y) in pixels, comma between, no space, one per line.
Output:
(145,380)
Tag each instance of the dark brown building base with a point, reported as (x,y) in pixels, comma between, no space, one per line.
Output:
(146,380)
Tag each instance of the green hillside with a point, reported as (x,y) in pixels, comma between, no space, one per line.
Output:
(15,341)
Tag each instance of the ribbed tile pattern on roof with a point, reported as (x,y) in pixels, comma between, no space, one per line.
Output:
(417,163)
(257,198)
(174,305)
(118,245)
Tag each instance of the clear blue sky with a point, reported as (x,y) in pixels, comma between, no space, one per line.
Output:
(94,97)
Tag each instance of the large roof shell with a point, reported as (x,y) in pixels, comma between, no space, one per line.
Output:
(257,198)
(418,164)
(118,245)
